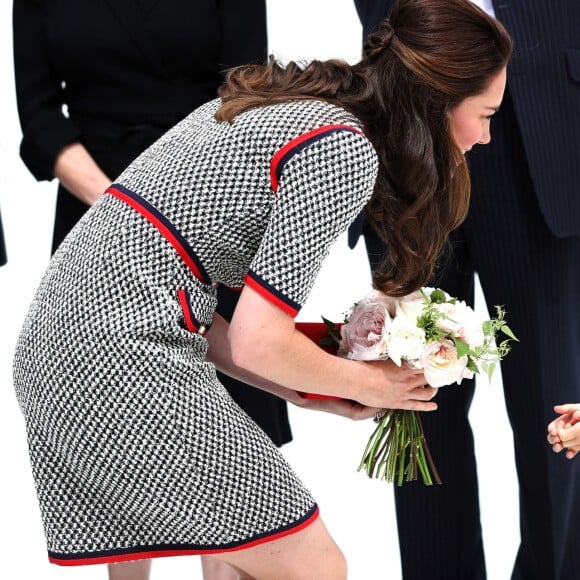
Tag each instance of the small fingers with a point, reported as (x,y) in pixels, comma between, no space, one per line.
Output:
(569,436)
(556,425)
(565,408)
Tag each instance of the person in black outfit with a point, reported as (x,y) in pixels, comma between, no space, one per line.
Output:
(522,237)
(97,83)
(2,245)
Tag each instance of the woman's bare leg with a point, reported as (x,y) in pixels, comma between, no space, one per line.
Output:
(133,570)
(214,569)
(309,553)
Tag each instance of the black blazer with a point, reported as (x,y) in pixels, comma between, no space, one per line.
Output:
(123,70)
(544,83)
(128,70)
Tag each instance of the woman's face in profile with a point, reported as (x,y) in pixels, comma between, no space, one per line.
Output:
(470,119)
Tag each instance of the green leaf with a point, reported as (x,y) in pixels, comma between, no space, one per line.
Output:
(472,366)
(461,347)
(328,323)
(507,331)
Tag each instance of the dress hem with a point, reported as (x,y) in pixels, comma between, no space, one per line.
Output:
(170,550)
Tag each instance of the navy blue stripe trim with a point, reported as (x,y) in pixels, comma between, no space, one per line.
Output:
(166,223)
(306,143)
(274,291)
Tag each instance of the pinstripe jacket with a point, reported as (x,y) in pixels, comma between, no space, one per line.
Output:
(544,82)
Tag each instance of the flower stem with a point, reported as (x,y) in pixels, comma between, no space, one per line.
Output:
(428,452)
(397,450)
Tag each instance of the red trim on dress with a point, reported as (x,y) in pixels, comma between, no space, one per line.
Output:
(186,309)
(185,552)
(167,233)
(297,141)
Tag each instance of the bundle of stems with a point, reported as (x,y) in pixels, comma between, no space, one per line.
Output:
(397,450)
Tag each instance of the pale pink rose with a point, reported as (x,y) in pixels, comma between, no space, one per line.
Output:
(405,340)
(389,302)
(364,336)
(441,365)
(461,320)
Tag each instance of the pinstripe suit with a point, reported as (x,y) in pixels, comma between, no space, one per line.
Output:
(522,237)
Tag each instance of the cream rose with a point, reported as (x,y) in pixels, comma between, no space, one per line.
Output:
(405,340)
(441,365)
(411,306)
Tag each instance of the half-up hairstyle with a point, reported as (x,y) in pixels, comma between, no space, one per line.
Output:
(420,63)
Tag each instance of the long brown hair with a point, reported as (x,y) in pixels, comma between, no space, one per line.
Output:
(421,62)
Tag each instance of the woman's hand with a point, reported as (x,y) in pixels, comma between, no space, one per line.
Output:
(264,341)
(398,388)
(78,172)
(342,407)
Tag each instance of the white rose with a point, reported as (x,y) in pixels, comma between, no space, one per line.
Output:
(411,306)
(441,365)
(461,320)
(405,340)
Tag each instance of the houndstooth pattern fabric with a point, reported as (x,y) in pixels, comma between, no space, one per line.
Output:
(135,446)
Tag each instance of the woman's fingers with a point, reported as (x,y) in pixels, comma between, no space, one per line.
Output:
(423,393)
(418,399)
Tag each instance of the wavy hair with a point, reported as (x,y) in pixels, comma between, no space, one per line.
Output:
(420,63)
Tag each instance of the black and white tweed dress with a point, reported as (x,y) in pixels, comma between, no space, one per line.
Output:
(136,449)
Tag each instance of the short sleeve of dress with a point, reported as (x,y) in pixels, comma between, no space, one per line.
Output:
(321,180)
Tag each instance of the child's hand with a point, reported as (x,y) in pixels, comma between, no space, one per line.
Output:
(570,440)
(570,412)
(564,431)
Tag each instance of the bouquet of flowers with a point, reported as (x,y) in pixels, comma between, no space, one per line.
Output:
(428,330)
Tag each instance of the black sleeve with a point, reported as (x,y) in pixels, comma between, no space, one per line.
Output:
(45,128)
